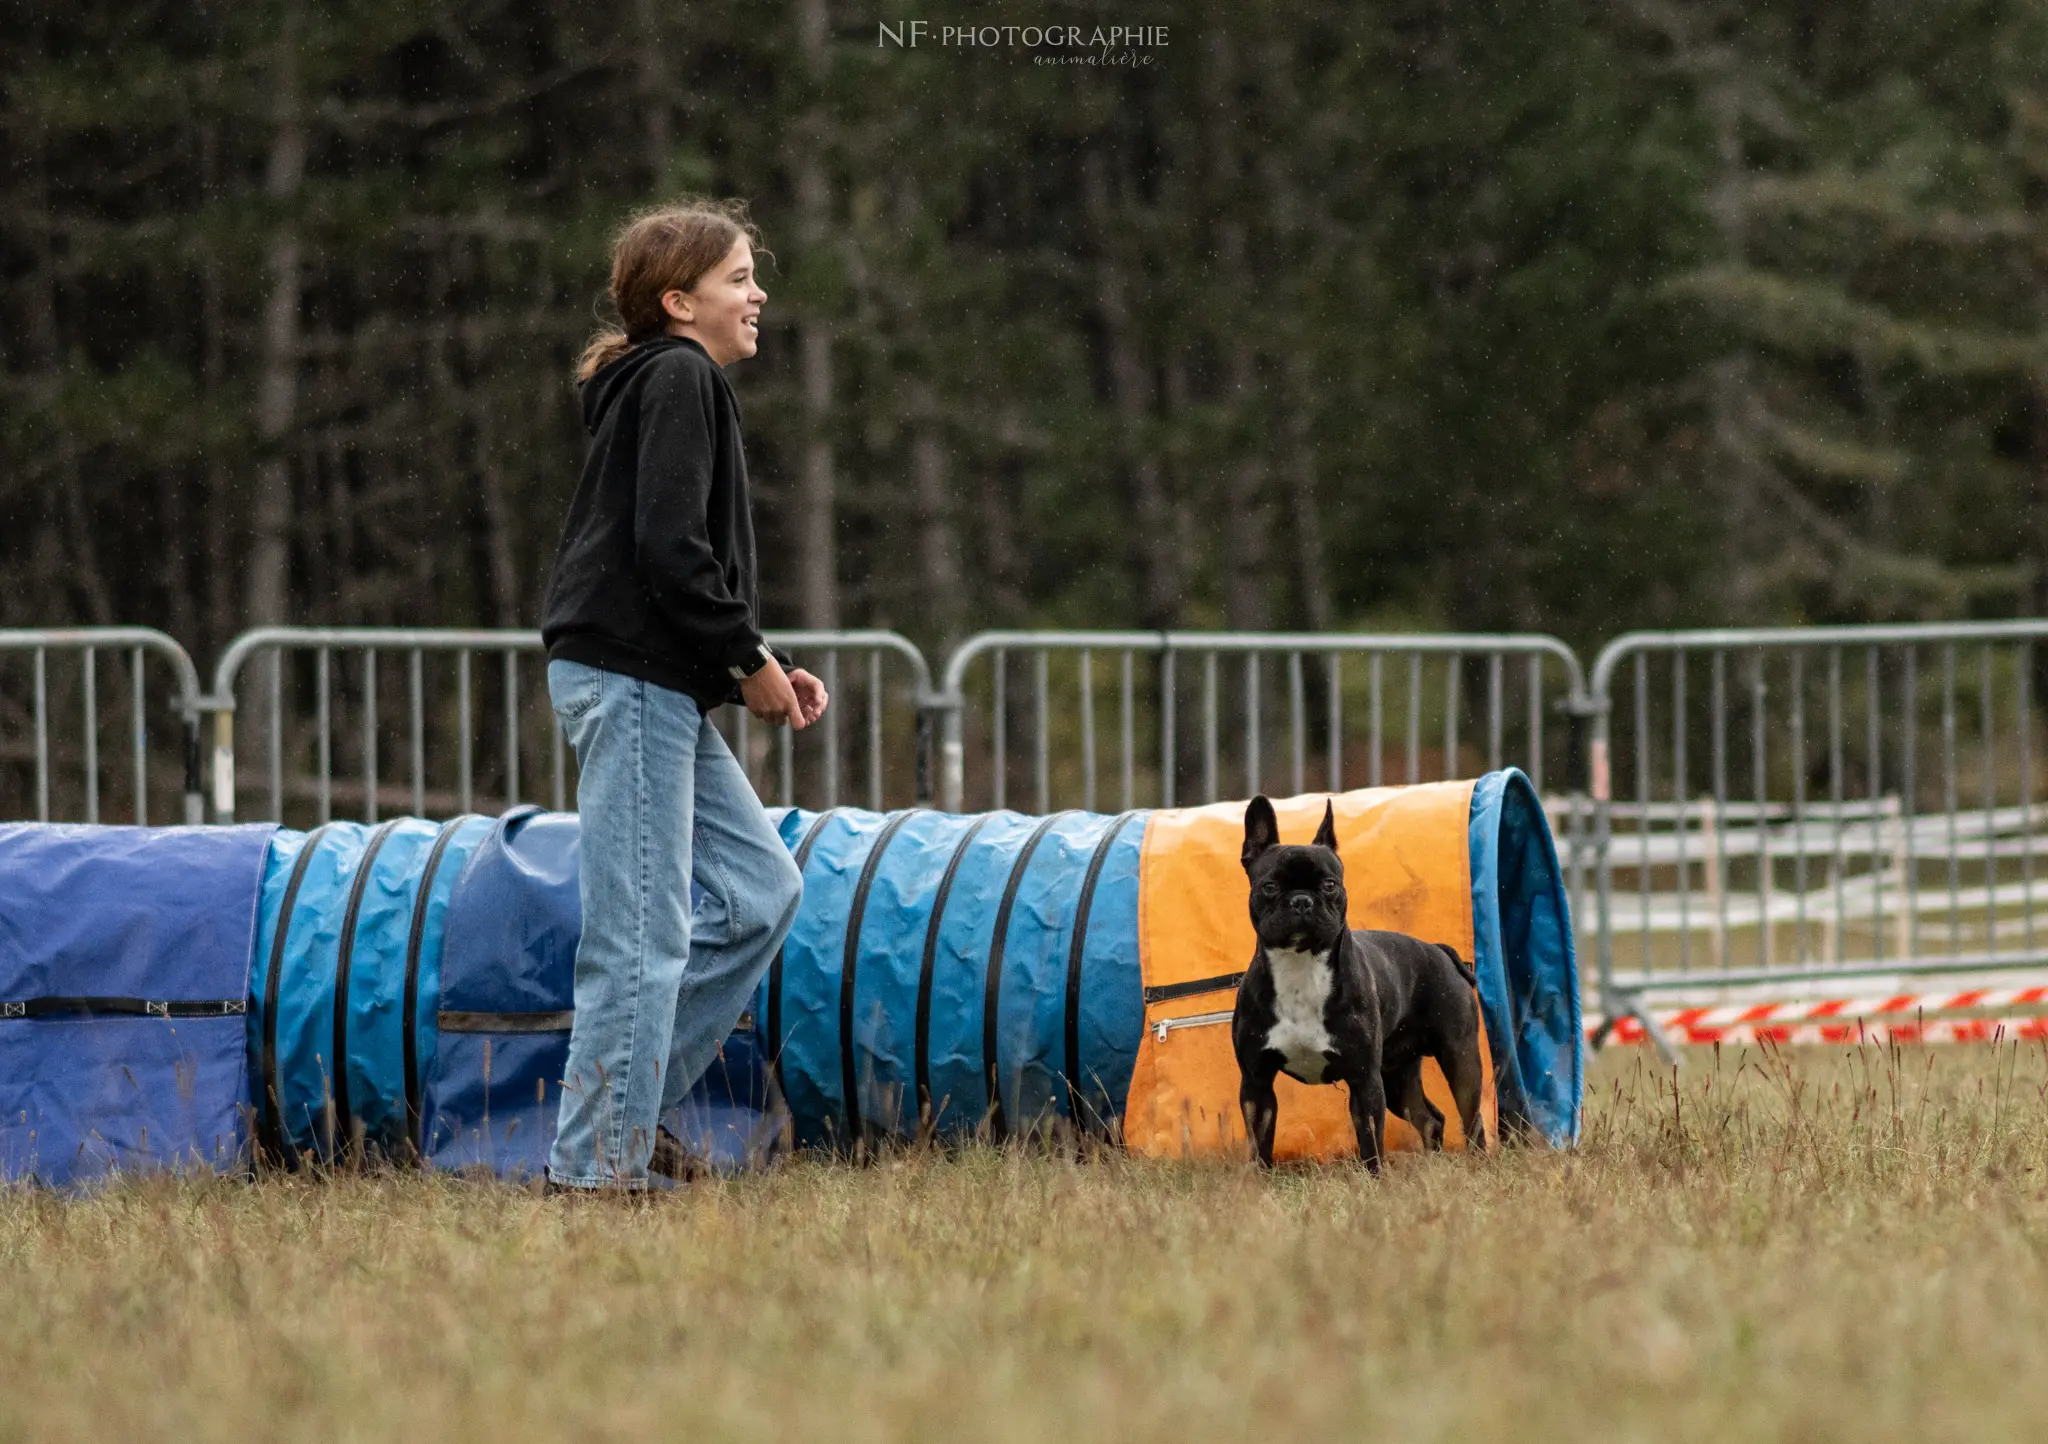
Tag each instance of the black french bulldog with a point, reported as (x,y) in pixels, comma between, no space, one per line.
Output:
(1325,1004)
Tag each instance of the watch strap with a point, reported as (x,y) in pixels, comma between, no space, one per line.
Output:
(759,658)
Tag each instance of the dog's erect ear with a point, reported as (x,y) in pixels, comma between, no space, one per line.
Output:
(1261,829)
(1326,835)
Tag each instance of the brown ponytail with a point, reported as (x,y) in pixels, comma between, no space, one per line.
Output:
(666,248)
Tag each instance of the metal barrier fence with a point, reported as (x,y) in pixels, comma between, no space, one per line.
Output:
(1198,716)
(314,712)
(1780,806)
(72,774)
(1802,805)
(1301,717)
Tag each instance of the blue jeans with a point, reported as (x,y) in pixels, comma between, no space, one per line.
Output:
(659,985)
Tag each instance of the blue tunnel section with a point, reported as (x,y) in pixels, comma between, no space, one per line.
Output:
(972,971)
(344,980)
(1525,958)
(504,1008)
(506,998)
(124,978)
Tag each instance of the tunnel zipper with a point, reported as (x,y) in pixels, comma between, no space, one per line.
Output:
(1194,1020)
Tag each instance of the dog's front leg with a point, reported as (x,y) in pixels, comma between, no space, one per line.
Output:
(1261,1111)
(1369,1115)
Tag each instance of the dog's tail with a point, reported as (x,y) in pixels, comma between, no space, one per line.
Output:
(1460,964)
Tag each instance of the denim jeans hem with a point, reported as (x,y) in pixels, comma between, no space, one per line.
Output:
(650,1184)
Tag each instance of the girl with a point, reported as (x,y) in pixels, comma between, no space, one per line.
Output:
(652,621)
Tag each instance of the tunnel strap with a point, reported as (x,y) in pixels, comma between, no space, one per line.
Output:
(95,1007)
(415,1100)
(338,1118)
(801,856)
(925,1107)
(1076,950)
(1192,988)
(856,1124)
(271,1113)
(991,1001)
(455,1021)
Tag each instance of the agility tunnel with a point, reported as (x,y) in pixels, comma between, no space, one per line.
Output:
(406,990)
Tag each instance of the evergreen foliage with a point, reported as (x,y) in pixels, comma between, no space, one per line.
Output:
(1566,316)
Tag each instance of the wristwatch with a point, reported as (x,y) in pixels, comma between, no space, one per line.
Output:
(761,657)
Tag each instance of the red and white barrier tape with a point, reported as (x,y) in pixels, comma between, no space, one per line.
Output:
(1939,1030)
(1903,1017)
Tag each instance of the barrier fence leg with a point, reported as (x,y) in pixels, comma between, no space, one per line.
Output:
(224,766)
(952,751)
(924,757)
(1655,1034)
(195,790)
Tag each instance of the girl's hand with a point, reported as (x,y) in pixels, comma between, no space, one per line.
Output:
(810,696)
(769,696)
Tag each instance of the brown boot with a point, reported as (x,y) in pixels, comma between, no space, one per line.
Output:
(671,1159)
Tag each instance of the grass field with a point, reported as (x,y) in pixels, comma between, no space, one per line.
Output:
(1828,1245)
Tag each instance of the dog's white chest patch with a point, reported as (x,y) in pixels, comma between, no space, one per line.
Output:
(1301,985)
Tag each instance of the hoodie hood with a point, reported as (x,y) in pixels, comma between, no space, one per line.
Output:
(611,381)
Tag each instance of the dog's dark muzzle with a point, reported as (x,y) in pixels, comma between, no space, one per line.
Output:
(1299,922)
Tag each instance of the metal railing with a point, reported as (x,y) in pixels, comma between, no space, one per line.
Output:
(316,716)
(1197,716)
(69,778)
(1793,806)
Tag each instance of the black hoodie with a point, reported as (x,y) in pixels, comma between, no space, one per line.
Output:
(655,574)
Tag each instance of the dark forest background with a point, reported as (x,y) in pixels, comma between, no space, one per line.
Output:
(1558,316)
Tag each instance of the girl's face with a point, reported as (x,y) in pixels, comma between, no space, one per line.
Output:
(722,312)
